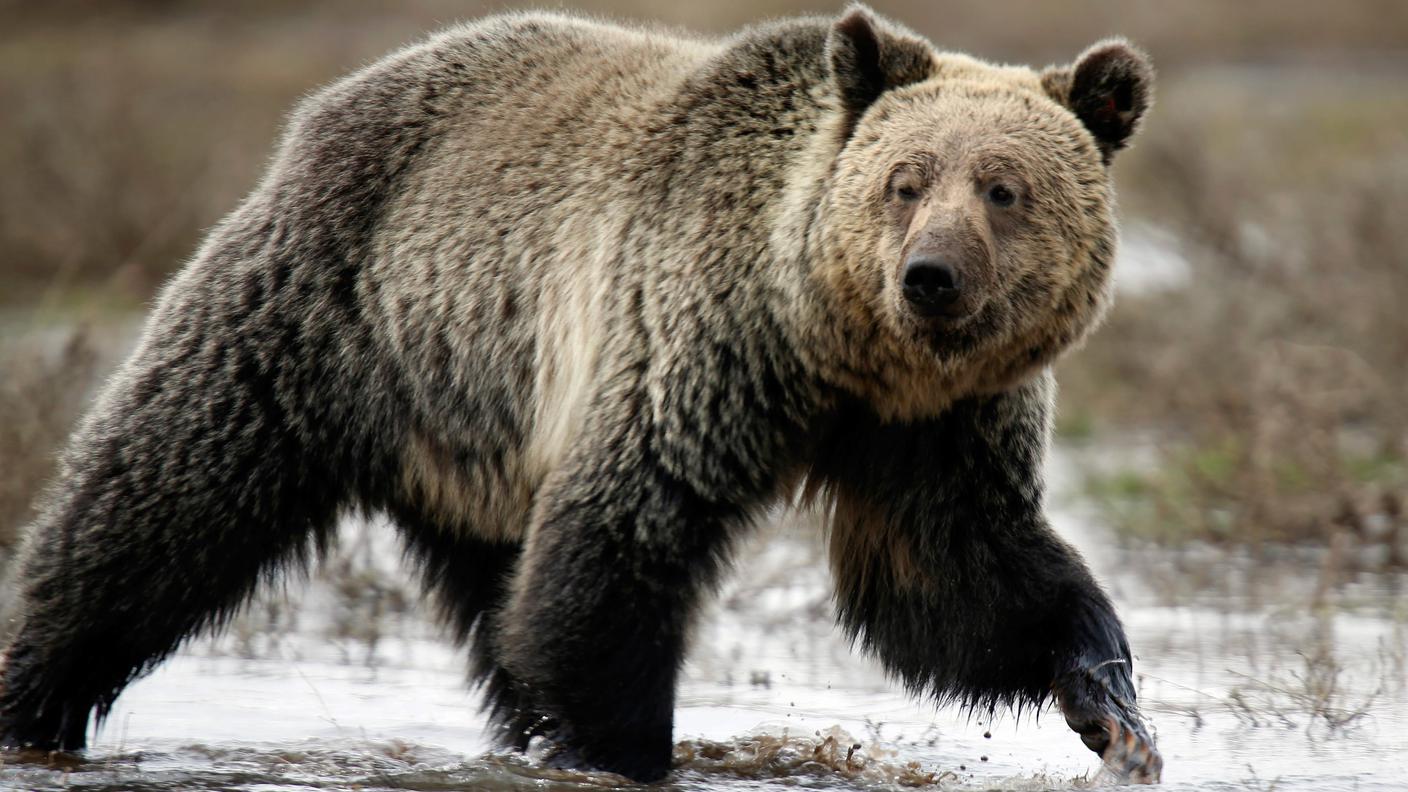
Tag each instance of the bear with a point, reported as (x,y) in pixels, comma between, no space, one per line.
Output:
(574,304)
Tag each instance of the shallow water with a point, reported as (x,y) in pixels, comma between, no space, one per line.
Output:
(772,698)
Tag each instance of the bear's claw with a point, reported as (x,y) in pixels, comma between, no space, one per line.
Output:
(1111,727)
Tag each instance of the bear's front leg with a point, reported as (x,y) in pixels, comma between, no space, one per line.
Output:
(594,632)
(947,569)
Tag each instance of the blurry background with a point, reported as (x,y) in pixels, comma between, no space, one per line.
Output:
(1249,389)
(1232,449)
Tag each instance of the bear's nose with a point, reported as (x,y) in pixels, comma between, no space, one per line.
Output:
(932,286)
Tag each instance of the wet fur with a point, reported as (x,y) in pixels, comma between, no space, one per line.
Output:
(969,559)
(573,303)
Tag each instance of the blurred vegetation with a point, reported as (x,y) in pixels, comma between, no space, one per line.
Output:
(1271,370)
(41,392)
(1273,377)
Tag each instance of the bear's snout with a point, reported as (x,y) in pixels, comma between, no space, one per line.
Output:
(934,288)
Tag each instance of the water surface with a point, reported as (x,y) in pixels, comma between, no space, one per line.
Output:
(313,693)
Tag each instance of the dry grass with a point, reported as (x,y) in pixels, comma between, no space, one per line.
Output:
(43,385)
(1312,697)
(1274,377)
(1294,672)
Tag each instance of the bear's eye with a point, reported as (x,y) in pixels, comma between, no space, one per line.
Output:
(907,192)
(1002,196)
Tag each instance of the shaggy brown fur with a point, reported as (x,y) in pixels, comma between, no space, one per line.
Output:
(573,303)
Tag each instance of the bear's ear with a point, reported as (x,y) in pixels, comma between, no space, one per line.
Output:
(1109,88)
(868,56)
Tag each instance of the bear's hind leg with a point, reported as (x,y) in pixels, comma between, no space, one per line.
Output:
(179,492)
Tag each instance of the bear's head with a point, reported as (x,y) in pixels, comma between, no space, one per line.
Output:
(969,212)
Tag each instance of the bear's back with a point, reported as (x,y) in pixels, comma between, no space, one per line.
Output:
(540,122)
(547,83)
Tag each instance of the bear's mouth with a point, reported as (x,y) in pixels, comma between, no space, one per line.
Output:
(951,317)
(959,335)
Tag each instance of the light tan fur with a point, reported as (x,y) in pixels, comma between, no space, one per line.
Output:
(876,352)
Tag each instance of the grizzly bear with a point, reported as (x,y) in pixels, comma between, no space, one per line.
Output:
(574,304)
